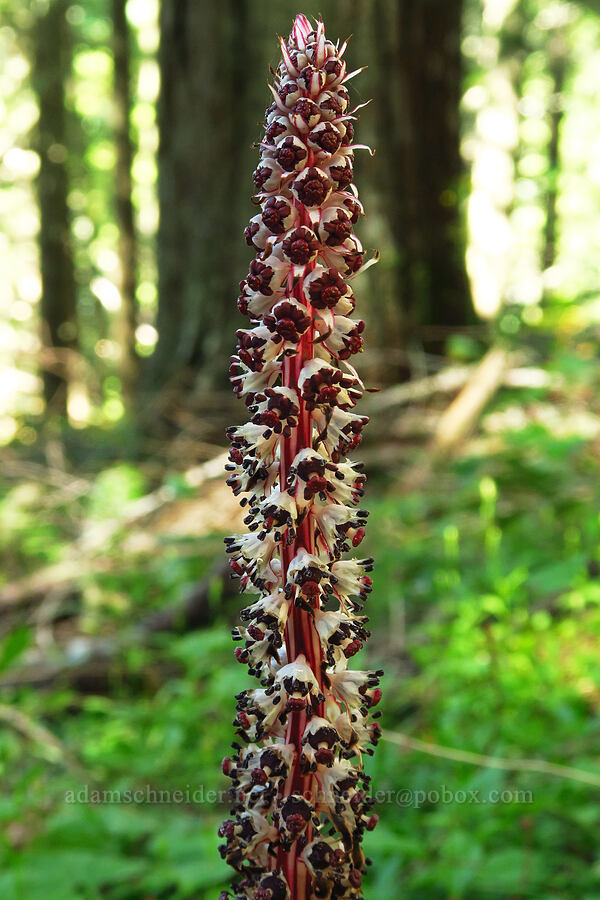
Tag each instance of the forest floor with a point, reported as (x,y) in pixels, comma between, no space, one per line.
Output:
(117,675)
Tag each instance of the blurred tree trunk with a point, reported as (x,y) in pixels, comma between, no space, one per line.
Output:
(418,87)
(123,202)
(557,65)
(51,67)
(203,163)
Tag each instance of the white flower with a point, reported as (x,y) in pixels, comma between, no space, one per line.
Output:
(275,604)
(338,430)
(351,579)
(355,688)
(308,725)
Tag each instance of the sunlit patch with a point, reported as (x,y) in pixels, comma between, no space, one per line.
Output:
(146,335)
(29,287)
(113,409)
(25,223)
(83,228)
(79,407)
(142,12)
(148,217)
(144,169)
(8,429)
(533,315)
(496,11)
(15,382)
(106,349)
(16,67)
(107,293)
(21,311)
(149,80)
(143,115)
(93,64)
(147,293)
(105,257)
(475,97)
(21,163)
(102,156)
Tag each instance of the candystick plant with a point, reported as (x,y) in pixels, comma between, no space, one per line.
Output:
(300,797)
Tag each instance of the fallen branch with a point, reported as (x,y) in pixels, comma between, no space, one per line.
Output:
(94,665)
(53,749)
(459,419)
(72,486)
(83,558)
(446,381)
(453,379)
(462,414)
(540,766)
(96,535)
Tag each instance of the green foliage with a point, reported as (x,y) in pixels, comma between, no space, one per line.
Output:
(486,605)
(13,646)
(114,488)
(486,616)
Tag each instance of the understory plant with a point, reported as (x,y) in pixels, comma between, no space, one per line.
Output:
(300,797)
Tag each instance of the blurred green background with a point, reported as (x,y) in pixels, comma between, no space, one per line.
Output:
(126,136)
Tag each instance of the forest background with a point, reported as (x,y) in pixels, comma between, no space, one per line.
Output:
(126,135)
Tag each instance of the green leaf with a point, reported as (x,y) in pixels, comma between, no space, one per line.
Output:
(13,646)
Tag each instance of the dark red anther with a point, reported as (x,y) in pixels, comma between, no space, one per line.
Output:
(250,231)
(295,823)
(268,418)
(324,756)
(262,893)
(333,68)
(355,878)
(373,820)
(273,131)
(243,719)
(274,213)
(310,589)
(354,262)
(315,485)
(289,154)
(375,697)
(349,136)
(259,776)
(358,536)
(326,136)
(328,394)
(352,648)
(286,328)
(226,829)
(295,703)
(255,632)
(342,175)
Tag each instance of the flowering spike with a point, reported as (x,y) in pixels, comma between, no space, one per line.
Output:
(300,803)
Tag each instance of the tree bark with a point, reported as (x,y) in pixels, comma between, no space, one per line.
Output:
(51,64)
(123,199)
(204,159)
(557,64)
(418,94)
